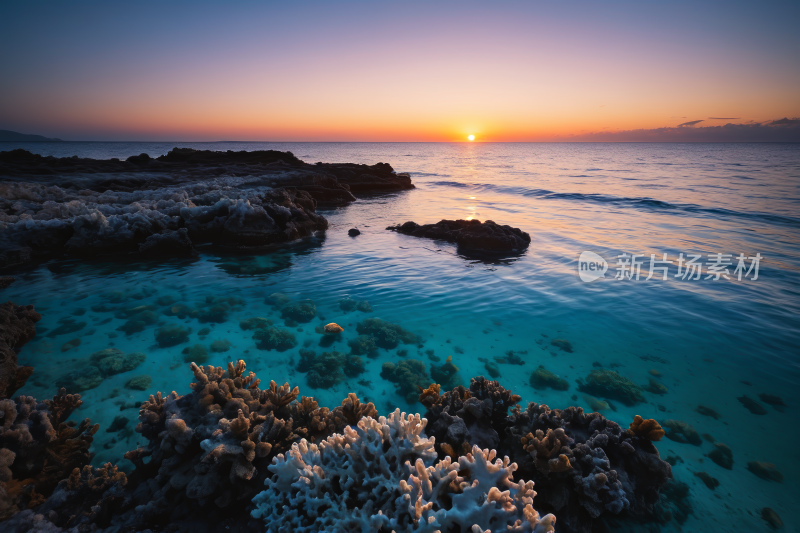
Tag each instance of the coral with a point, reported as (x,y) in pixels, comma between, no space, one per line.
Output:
(74,343)
(386,334)
(447,374)
(332,329)
(409,377)
(302,312)
(492,369)
(17,327)
(220,346)
(363,345)
(752,405)
(541,379)
(611,470)
(139,382)
(272,338)
(471,235)
(255,323)
(722,455)
(88,377)
(774,400)
(707,411)
(319,487)
(171,335)
(682,432)
(277,300)
(765,471)
(348,304)
(112,361)
(656,387)
(595,404)
(463,417)
(195,354)
(326,370)
(563,344)
(648,429)
(38,448)
(138,322)
(216,309)
(511,357)
(710,482)
(771,517)
(610,384)
(68,325)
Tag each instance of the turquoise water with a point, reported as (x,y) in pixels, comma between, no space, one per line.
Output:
(710,341)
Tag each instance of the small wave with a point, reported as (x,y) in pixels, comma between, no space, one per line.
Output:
(624,201)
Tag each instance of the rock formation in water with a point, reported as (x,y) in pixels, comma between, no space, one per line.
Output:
(471,235)
(53,206)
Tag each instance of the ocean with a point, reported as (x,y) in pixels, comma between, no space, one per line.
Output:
(733,333)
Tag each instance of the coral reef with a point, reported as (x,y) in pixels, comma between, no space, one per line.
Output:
(386,334)
(139,382)
(220,346)
(302,312)
(470,235)
(656,387)
(319,487)
(682,432)
(609,384)
(722,455)
(85,378)
(272,338)
(771,517)
(409,377)
(112,361)
(446,374)
(195,354)
(38,448)
(752,405)
(710,482)
(765,470)
(563,344)
(255,323)
(17,327)
(329,368)
(172,335)
(363,345)
(541,379)
(348,304)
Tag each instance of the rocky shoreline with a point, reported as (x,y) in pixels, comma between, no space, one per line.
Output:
(52,207)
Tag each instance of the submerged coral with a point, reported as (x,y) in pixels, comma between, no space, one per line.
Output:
(17,327)
(446,374)
(348,304)
(409,377)
(302,311)
(386,334)
(609,384)
(381,475)
(682,432)
(541,378)
(171,335)
(272,338)
(38,448)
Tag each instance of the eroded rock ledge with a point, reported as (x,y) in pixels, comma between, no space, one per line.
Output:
(471,235)
(50,206)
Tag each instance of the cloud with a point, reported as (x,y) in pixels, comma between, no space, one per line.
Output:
(785,122)
(781,130)
(723,118)
(691,123)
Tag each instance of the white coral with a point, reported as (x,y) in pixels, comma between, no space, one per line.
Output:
(381,474)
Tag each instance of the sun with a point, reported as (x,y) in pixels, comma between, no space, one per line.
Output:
(471,137)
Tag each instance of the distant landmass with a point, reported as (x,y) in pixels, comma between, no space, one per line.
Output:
(6,135)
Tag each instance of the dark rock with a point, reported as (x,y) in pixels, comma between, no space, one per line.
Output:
(771,518)
(710,482)
(765,471)
(353,232)
(168,243)
(470,235)
(5,281)
(722,455)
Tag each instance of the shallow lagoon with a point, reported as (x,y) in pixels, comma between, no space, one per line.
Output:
(710,341)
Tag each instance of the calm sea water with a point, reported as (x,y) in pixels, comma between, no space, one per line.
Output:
(711,341)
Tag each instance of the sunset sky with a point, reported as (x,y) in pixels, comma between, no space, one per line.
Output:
(399,71)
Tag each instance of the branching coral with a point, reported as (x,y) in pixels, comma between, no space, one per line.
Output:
(17,327)
(648,429)
(39,448)
(381,475)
